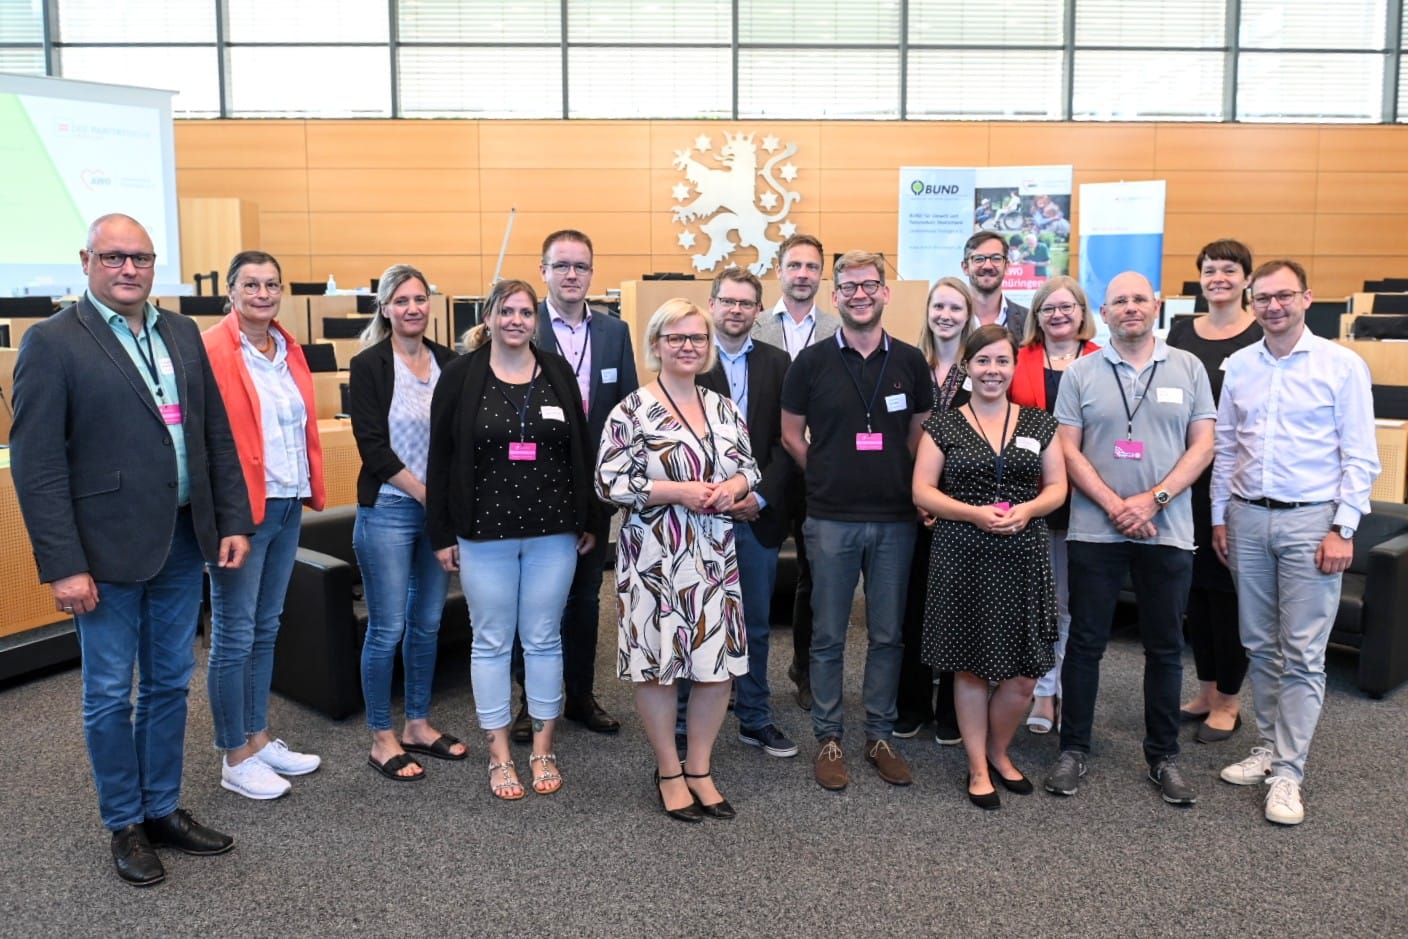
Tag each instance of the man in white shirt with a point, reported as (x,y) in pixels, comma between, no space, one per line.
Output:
(985,263)
(1295,458)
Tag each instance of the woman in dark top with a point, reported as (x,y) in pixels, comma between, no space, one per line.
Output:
(1224,267)
(948,321)
(1058,332)
(509,497)
(391,382)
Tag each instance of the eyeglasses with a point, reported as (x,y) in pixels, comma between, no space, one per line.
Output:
(734,303)
(1052,309)
(563,267)
(1262,301)
(978,260)
(251,287)
(676,341)
(848,288)
(115,259)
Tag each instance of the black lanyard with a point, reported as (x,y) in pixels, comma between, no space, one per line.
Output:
(710,454)
(521,409)
(879,381)
(741,398)
(999,452)
(1124,399)
(586,340)
(149,358)
(805,342)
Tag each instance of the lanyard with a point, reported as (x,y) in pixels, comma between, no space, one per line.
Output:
(880,380)
(740,397)
(1129,415)
(586,340)
(999,452)
(521,409)
(710,454)
(149,358)
(786,328)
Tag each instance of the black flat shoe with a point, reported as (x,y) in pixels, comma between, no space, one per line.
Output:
(1208,734)
(690,813)
(1189,717)
(720,809)
(988,802)
(1021,785)
(136,862)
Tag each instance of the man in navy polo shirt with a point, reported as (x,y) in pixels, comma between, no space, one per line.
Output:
(852,409)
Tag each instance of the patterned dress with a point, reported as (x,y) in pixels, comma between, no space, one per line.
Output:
(678,596)
(991,608)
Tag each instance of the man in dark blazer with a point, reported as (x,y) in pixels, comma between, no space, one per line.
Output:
(598,347)
(751,373)
(129,483)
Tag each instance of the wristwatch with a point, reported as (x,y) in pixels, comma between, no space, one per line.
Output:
(1345,531)
(1162,497)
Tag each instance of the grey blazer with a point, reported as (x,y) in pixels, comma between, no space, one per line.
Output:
(92,459)
(1016,319)
(768,328)
(611,350)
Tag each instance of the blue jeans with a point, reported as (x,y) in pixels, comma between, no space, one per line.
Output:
(517,587)
(1287,608)
(405,589)
(1160,575)
(757,575)
(245,606)
(137,766)
(840,552)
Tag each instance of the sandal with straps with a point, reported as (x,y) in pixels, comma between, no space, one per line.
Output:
(510,781)
(549,780)
(720,809)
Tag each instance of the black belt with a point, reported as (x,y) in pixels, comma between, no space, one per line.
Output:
(1274,504)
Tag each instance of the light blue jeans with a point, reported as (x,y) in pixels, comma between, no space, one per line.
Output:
(405,589)
(245,606)
(839,552)
(1287,608)
(517,586)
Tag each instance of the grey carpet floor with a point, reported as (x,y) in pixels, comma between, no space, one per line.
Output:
(351,853)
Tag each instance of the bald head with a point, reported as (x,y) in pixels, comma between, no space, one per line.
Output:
(1130,308)
(115,245)
(116,219)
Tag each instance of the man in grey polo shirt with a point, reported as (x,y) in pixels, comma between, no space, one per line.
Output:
(1137,428)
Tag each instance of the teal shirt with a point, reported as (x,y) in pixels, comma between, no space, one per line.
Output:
(164,391)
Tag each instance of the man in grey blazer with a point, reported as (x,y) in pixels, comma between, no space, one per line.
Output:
(129,483)
(598,348)
(795,323)
(985,263)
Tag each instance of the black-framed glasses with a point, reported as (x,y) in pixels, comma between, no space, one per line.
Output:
(1262,301)
(734,303)
(115,259)
(564,267)
(676,341)
(848,288)
(978,260)
(250,288)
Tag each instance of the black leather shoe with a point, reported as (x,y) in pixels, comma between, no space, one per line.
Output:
(136,862)
(178,830)
(720,809)
(588,713)
(521,731)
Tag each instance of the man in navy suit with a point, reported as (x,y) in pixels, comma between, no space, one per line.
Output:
(598,347)
(129,482)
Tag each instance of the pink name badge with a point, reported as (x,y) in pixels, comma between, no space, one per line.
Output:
(170,413)
(522,451)
(870,441)
(1129,449)
(1002,506)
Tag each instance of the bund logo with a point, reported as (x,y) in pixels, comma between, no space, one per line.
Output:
(729,198)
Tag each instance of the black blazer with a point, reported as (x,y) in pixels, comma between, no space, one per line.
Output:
(92,459)
(611,349)
(371,384)
(767,365)
(450,490)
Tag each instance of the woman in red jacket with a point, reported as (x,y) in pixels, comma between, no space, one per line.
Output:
(1058,332)
(268,394)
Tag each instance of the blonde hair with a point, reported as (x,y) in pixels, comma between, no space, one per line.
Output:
(927,345)
(857,259)
(1032,333)
(671,312)
(478,335)
(379,326)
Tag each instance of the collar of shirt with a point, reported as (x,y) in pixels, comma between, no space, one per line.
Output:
(1002,314)
(254,352)
(732,357)
(556,316)
(151,314)
(1303,344)
(1111,354)
(785,318)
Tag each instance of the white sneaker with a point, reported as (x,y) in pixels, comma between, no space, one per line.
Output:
(278,757)
(1251,771)
(253,779)
(1283,805)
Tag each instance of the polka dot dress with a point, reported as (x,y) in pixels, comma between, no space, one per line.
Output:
(521,498)
(991,609)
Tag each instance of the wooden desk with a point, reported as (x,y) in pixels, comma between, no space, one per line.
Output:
(1392,438)
(26,603)
(327,394)
(341,461)
(1387,360)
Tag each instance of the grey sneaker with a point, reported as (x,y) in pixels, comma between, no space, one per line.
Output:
(1172,786)
(1064,776)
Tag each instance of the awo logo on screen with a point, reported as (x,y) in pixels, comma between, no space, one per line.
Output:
(96,179)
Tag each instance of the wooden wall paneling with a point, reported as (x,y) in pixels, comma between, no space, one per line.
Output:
(1359,234)
(609,270)
(639,301)
(397,145)
(1388,361)
(669,137)
(1220,191)
(859,231)
(448,273)
(851,145)
(241,144)
(610,232)
(1364,192)
(1270,235)
(847,190)
(214,230)
(583,189)
(1344,275)
(1361,149)
(284,233)
(401,233)
(293,313)
(273,190)
(513,145)
(1127,147)
(394,189)
(1235,146)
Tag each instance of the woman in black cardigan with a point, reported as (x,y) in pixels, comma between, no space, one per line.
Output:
(392,380)
(509,501)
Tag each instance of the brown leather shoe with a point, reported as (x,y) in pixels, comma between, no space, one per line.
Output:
(830,766)
(887,761)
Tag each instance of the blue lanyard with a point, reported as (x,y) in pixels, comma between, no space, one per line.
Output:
(523,408)
(880,380)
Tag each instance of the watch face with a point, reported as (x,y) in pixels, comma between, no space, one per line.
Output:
(1161,497)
